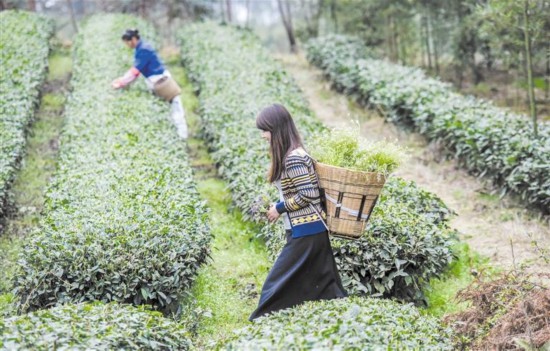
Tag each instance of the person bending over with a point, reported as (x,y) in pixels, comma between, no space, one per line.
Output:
(148,63)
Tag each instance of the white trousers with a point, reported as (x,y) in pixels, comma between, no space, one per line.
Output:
(178,113)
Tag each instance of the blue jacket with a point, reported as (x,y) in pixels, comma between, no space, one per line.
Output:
(146,60)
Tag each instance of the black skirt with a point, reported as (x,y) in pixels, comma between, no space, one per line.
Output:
(304,271)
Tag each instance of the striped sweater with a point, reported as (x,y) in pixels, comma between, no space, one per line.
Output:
(301,195)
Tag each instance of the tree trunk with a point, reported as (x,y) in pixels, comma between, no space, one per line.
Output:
(142,8)
(435,48)
(389,46)
(31,5)
(222,8)
(228,3)
(422,46)
(334,15)
(317,18)
(73,19)
(305,10)
(529,66)
(393,33)
(287,22)
(170,18)
(547,76)
(247,13)
(396,42)
(427,42)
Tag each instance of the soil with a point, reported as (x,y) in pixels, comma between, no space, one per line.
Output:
(499,228)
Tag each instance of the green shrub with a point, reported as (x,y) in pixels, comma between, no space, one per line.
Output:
(336,62)
(485,139)
(24,43)
(411,236)
(344,324)
(93,326)
(345,148)
(402,248)
(123,220)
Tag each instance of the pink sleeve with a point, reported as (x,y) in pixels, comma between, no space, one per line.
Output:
(128,77)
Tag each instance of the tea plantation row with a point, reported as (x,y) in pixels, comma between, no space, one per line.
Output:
(24,43)
(123,220)
(486,140)
(407,241)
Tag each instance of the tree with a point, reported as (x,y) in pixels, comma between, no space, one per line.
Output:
(312,14)
(286,16)
(467,42)
(514,26)
(73,18)
(334,15)
(228,3)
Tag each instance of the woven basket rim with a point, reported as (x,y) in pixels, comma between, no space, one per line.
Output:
(350,170)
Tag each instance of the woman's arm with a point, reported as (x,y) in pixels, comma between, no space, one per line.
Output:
(126,79)
(298,171)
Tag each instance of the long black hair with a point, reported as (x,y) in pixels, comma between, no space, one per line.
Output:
(284,136)
(129,34)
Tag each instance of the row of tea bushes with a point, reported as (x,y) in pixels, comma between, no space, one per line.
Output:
(123,219)
(24,43)
(344,324)
(408,239)
(93,326)
(486,140)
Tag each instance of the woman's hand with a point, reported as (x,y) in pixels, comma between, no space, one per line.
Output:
(272,214)
(116,84)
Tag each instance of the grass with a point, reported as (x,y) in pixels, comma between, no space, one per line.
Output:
(227,289)
(460,273)
(60,64)
(32,179)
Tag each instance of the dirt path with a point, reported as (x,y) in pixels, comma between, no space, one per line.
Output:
(495,228)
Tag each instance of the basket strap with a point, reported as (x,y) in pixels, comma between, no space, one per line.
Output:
(311,205)
(320,217)
(348,210)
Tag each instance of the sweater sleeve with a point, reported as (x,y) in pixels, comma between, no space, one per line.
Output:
(298,171)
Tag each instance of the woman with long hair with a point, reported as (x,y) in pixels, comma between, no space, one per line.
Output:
(305,269)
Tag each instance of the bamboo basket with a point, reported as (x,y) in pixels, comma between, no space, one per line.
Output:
(166,88)
(350,197)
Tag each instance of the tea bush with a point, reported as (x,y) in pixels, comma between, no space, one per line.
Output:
(24,43)
(408,240)
(344,324)
(486,140)
(93,326)
(123,219)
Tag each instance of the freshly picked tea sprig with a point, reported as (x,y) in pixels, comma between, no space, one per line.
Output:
(345,148)
(258,210)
